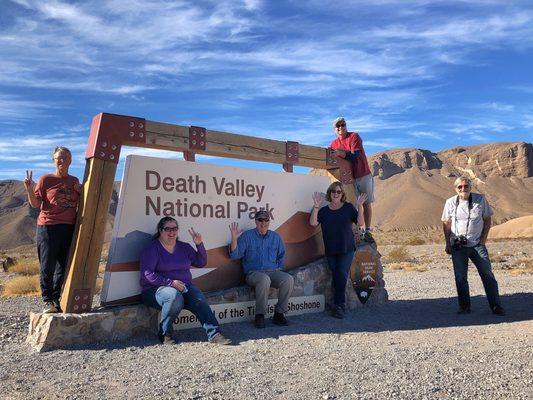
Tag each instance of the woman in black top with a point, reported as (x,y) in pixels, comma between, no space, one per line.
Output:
(336,221)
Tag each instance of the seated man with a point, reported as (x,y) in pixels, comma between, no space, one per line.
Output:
(262,252)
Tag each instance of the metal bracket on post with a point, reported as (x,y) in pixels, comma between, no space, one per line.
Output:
(197,138)
(189,156)
(110,131)
(292,155)
(330,160)
(344,166)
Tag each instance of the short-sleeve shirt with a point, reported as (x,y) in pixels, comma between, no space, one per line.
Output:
(352,142)
(59,199)
(480,210)
(337,228)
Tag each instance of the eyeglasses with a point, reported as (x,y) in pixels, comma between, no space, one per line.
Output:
(263,219)
(170,228)
(340,125)
(463,186)
(336,191)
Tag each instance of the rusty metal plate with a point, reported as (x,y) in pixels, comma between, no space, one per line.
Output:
(345,169)
(330,160)
(291,152)
(81,301)
(110,131)
(197,137)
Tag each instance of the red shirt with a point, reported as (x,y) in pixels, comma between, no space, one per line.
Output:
(352,142)
(59,199)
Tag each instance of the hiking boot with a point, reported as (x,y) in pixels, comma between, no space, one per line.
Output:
(58,305)
(337,312)
(279,319)
(50,308)
(498,310)
(464,311)
(367,237)
(259,321)
(220,339)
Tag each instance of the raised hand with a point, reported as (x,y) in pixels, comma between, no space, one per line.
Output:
(196,237)
(28,181)
(234,229)
(360,200)
(318,198)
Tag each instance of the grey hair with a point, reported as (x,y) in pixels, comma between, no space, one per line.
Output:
(461,179)
(57,149)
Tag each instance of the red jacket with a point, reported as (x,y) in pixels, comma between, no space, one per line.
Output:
(354,144)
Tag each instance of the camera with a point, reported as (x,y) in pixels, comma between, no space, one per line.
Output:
(458,242)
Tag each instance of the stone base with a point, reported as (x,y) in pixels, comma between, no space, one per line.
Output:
(51,331)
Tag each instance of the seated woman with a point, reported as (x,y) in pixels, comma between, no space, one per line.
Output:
(166,281)
(336,221)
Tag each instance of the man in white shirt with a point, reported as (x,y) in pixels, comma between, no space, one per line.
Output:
(466,221)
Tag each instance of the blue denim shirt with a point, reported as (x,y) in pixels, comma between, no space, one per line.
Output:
(259,252)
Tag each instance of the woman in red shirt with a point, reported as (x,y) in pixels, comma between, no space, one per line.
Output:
(57,195)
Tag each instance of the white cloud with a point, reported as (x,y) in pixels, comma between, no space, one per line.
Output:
(430,135)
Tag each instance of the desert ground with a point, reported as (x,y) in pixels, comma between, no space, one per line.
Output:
(413,347)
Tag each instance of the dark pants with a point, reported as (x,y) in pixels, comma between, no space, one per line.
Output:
(480,257)
(171,301)
(53,245)
(340,267)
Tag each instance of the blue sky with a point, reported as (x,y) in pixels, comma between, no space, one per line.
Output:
(421,73)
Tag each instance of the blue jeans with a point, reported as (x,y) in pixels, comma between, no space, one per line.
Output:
(171,301)
(340,267)
(53,245)
(480,257)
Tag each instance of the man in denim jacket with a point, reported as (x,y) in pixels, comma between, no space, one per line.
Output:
(466,221)
(262,252)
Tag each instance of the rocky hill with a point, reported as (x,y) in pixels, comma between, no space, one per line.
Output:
(411,187)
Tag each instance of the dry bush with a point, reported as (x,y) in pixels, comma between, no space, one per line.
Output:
(21,285)
(414,241)
(398,254)
(25,267)
(405,266)
(522,267)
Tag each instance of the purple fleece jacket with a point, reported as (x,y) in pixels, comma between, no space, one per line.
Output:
(160,268)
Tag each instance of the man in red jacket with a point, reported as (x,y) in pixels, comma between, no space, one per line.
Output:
(349,145)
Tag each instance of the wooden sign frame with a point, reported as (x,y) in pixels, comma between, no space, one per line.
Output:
(109,132)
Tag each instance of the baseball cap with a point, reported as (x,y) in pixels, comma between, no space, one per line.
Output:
(262,213)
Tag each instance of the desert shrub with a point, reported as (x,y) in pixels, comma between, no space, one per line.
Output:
(414,241)
(523,266)
(25,267)
(398,254)
(406,266)
(21,285)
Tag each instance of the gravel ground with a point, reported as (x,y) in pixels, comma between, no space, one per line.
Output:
(414,347)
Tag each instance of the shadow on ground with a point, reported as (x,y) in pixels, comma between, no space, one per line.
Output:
(398,315)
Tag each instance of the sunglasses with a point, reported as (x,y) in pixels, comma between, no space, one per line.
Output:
(463,186)
(263,219)
(340,125)
(170,228)
(336,191)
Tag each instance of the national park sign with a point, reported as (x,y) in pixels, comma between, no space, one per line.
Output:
(207,198)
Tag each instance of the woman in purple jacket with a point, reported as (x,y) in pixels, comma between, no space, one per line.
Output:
(166,281)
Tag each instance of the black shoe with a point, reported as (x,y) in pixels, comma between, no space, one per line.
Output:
(50,308)
(463,311)
(259,321)
(498,310)
(337,312)
(279,319)
(58,306)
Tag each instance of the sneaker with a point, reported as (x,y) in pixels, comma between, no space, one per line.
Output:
(220,339)
(259,321)
(367,237)
(498,310)
(49,307)
(337,312)
(279,319)
(58,305)
(463,311)
(169,340)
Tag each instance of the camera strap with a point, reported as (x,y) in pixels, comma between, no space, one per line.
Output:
(469,209)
